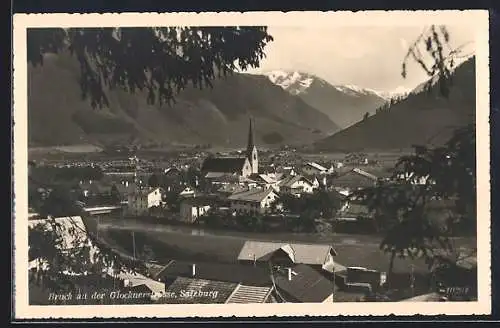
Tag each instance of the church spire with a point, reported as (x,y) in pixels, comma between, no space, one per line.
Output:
(251,141)
(252,149)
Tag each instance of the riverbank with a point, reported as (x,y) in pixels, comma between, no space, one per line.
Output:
(190,243)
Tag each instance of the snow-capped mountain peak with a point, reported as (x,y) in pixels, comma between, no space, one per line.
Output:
(294,82)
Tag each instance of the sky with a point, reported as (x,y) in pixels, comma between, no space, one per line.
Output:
(368,57)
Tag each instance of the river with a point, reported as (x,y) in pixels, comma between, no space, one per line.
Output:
(332,238)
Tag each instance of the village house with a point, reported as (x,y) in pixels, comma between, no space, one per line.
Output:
(300,283)
(296,186)
(203,291)
(252,201)
(214,167)
(229,272)
(140,201)
(187,192)
(92,188)
(318,256)
(269,180)
(354,179)
(192,208)
(312,168)
(412,178)
(227,190)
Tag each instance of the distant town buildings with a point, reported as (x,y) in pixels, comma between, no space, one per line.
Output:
(252,201)
(215,167)
(296,185)
(191,209)
(312,168)
(141,200)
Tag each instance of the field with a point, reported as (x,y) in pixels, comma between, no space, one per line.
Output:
(84,148)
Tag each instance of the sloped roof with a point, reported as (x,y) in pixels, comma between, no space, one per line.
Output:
(200,201)
(144,191)
(307,285)
(334,267)
(355,210)
(252,195)
(354,179)
(249,294)
(231,189)
(136,279)
(316,166)
(212,175)
(267,178)
(237,273)
(364,173)
(289,181)
(315,254)
(171,169)
(223,164)
(201,291)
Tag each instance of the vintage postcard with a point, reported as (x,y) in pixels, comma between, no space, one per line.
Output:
(251,164)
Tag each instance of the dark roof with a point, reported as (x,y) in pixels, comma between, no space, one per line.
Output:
(142,288)
(353,179)
(200,200)
(237,273)
(307,286)
(198,291)
(223,164)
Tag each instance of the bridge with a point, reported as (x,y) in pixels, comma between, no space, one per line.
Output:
(96,210)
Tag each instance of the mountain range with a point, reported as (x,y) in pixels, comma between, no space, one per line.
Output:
(344,104)
(57,114)
(287,107)
(423,117)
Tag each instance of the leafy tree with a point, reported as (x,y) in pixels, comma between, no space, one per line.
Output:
(154,181)
(147,253)
(191,176)
(60,203)
(158,61)
(116,197)
(405,208)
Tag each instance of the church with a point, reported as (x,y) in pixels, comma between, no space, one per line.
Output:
(215,167)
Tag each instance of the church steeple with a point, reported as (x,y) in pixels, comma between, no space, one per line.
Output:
(251,141)
(252,149)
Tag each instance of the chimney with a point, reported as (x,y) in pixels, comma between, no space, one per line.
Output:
(193,269)
(289,274)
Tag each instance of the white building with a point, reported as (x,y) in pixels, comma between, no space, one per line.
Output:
(187,192)
(140,201)
(252,201)
(192,209)
(269,180)
(312,168)
(296,185)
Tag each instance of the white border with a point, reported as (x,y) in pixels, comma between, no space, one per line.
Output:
(479,19)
